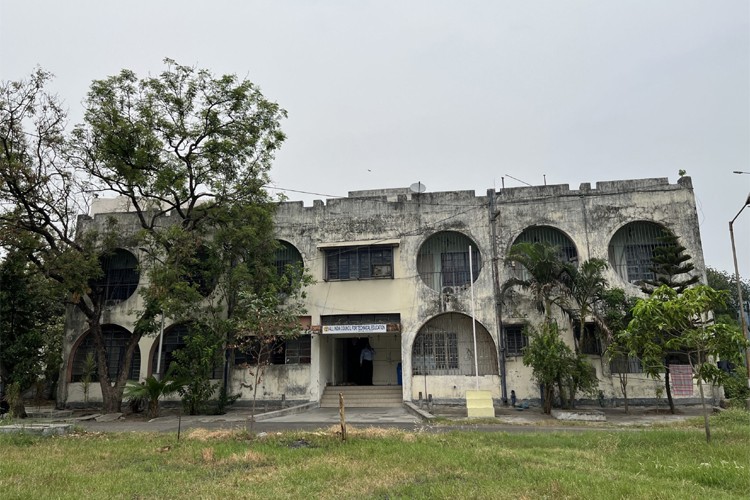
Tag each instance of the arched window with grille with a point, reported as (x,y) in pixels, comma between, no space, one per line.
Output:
(119,278)
(445,346)
(631,250)
(115,343)
(174,340)
(443,261)
(566,249)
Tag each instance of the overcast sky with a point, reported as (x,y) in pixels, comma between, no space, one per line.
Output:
(456,95)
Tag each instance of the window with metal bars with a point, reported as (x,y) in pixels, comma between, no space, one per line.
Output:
(625,364)
(443,260)
(119,278)
(589,342)
(283,352)
(174,340)
(515,340)
(544,234)
(287,258)
(445,346)
(631,250)
(115,344)
(435,353)
(356,263)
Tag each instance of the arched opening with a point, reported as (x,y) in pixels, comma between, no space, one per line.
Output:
(119,278)
(631,250)
(115,343)
(445,346)
(175,338)
(566,249)
(287,258)
(443,261)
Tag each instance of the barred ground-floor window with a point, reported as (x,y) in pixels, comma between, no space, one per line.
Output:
(445,346)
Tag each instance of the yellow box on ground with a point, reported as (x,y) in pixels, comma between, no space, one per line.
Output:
(479,404)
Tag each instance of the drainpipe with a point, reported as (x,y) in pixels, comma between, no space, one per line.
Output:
(498,305)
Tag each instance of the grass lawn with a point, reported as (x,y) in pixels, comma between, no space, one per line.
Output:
(669,462)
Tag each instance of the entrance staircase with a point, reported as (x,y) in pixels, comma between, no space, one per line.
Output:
(363,396)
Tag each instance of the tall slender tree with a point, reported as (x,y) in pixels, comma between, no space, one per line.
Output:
(671,266)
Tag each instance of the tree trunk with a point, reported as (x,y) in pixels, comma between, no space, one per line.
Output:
(111,394)
(669,389)
(705,412)
(624,388)
(549,393)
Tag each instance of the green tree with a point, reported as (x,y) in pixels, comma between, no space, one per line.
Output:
(721,280)
(587,286)
(671,266)
(185,149)
(672,322)
(152,389)
(41,195)
(554,364)
(616,310)
(31,330)
(265,320)
(190,152)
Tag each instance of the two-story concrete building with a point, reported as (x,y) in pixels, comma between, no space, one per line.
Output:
(406,271)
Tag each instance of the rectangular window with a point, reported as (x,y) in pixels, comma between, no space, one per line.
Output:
(298,351)
(356,263)
(515,340)
(284,352)
(589,342)
(625,364)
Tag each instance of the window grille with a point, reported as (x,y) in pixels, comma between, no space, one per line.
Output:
(443,260)
(289,352)
(120,276)
(297,351)
(354,263)
(515,340)
(286,256)
(544,234)
(445,346)
(590,342)
(115,344)
(174,340)
(555,237)
(631,250)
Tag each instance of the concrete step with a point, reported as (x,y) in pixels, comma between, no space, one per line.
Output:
(363,396)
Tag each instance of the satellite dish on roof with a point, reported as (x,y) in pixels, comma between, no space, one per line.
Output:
(418,187)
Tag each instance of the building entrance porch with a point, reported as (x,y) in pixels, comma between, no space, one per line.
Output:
(348,365)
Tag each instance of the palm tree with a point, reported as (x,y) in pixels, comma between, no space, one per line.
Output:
(547,277)
(152,389)
(587,287)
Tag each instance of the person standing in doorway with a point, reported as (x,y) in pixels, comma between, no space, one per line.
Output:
(365,363)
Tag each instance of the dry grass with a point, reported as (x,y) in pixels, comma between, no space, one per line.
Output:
(377,463)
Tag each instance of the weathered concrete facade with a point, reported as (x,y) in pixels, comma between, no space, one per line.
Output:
(394,268)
